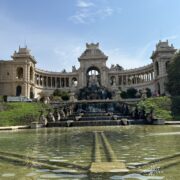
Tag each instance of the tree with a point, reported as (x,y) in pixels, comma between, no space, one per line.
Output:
(173,85)
(173,70)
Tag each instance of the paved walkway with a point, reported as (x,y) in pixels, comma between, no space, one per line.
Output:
(172,122)
(14,127)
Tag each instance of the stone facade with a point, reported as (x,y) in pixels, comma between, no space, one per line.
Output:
(20,76)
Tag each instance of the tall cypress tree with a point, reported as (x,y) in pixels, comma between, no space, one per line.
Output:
(173,85)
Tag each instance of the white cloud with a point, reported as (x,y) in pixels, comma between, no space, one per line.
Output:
(108,11)
(52,51)
(88,12)
(172,37)
(130,61)
(87,16)
(82,16)
(84,4)
(58,51)
(68,55)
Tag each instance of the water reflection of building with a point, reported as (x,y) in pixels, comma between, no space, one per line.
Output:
(20,76)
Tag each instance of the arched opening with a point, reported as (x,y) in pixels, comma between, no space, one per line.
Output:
(18,90)
(74,82)
(31,93)
(93,77)
(113,80)
(19,73)
(157,68)
(31,73)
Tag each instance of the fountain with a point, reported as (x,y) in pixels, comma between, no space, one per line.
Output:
(91,153)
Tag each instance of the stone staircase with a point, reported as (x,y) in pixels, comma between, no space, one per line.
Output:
(92,119)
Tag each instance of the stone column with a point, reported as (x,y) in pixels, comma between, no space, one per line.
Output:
(55,79)
(51,82)
(152,76)
(46,81)
(60,82)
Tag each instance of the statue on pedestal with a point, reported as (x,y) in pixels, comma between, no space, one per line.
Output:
(93,81)
(42,119)
(62,114)
(144,94)
(50,116)
(57,115)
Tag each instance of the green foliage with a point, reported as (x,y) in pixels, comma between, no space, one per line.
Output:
(55,98)
(160,105)
(19,113)
(63,94)
(173,85)
(124,94)
(57,92)
(1,99)
(176,107)
(148,92)
(131,93)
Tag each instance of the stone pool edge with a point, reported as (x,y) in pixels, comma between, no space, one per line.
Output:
(28,126)
(14,127)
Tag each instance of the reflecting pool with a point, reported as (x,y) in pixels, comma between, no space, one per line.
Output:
(148,152)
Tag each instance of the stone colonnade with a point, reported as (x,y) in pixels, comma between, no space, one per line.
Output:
(124,78)
(55,81)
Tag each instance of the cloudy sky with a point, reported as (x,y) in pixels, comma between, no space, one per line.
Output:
(56,30)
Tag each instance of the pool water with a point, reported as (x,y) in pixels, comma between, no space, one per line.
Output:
(67,153)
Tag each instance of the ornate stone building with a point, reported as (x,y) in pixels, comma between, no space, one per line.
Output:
(20,76)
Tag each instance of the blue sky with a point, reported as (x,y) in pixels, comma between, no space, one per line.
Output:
(56,30)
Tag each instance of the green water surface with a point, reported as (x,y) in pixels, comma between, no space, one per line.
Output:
(73,150)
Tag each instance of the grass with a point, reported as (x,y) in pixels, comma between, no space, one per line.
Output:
(19,113)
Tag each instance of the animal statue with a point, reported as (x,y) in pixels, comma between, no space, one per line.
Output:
(50,117)
(43,119)
(57,115)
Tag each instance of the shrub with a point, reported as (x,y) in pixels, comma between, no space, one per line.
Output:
(160,105)
(123,94)
(131,93)
(57,92)
(148,92)
(5,98)
(63,94)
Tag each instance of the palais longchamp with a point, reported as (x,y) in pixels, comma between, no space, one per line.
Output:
(20,77)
